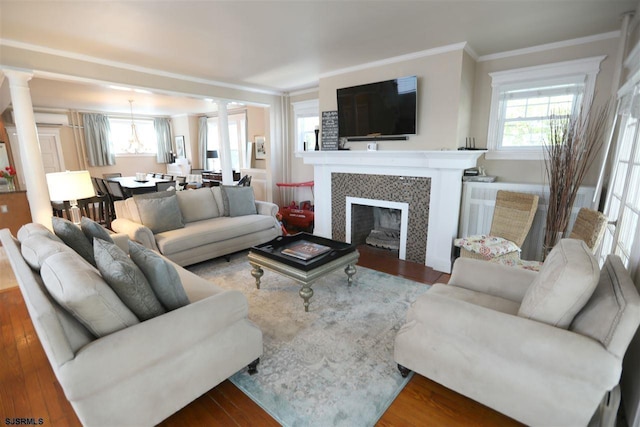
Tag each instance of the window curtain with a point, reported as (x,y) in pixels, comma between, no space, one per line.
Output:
(97,138)
(163,136)
(202,141)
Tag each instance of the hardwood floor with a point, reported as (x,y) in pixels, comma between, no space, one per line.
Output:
(29,389)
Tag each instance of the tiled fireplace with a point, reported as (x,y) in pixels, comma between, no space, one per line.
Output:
(429,182)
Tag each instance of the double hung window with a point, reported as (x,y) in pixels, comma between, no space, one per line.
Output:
(237,139)
(524,101)
(306,121)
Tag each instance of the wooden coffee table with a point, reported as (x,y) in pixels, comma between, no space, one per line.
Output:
(269,256)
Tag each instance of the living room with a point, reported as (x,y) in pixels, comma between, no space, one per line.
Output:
(455,94)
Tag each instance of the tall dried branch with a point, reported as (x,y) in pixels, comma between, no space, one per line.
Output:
(573,146)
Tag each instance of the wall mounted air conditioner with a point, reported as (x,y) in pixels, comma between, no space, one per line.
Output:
(49,119)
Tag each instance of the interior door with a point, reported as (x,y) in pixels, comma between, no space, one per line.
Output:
(51,151)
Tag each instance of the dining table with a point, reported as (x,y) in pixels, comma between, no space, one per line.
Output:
(133,186)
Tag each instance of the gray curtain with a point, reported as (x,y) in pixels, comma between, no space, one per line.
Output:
(202,141)
(163,136)
(97,138)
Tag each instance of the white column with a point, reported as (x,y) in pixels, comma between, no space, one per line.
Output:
(29,147)
(225,145)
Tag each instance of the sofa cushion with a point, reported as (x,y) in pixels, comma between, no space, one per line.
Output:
(78,287)
(563,286)
(34,228)
(160,213)
(238,201)
(162,276)
(73,237)
(92,229)
(197,204)
(209,231)
(38,247)
(127,280)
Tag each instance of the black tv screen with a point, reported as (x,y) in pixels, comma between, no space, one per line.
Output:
(378,109)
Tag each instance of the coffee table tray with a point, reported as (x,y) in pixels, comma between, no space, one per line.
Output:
(273,250)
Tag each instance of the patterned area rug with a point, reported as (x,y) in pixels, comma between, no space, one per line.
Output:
(332,366)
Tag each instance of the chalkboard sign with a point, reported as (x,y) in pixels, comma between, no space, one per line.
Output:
(330,130)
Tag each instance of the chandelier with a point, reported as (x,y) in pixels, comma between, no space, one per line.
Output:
(134,142)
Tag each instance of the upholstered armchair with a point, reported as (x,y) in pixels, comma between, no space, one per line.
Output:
(544,348)
(512,218)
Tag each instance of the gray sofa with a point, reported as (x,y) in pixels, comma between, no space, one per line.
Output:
(542,347)
(141,373)
(192,226)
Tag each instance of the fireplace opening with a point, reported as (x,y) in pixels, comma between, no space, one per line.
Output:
(378,227)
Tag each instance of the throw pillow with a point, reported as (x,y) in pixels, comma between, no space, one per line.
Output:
(126,279)
(78,287)
(160,213)
(92,229)
(563,286)
(162,276)
(73,237)
(197,204)
(32,228)
(238,201)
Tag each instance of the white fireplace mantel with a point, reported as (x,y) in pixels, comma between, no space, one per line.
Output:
(445,169)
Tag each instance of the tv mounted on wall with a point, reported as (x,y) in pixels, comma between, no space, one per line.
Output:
(382,110)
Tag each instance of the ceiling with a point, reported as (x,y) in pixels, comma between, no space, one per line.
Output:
(278,45)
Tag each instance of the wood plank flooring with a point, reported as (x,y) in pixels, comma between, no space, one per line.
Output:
(29,389)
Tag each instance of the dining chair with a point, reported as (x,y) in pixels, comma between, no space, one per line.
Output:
(181,181)
(116,191)
(166,185)
(157,175)
(169,177)
(111,175)
(245,181)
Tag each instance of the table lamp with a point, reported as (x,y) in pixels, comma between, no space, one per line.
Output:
(212,154)
(70,186)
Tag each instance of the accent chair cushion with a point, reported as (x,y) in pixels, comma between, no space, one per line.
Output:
(73,237)
(162,276)
(487,246)
(160,213)
(127,280)
(78,287)
(563,286)
(92,229)
(238,201)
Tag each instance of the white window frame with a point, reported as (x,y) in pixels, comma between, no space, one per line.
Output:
(304,109)
(237,119)
(581,70)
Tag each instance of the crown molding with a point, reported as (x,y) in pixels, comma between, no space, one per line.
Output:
(401,58)
(130,67)
(551,46)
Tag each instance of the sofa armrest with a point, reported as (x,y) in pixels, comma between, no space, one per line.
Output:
(491,278)
(510,348)
(136,232)
(121,240)
(114,358)
(266,208)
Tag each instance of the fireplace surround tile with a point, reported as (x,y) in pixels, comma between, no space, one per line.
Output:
(415,191)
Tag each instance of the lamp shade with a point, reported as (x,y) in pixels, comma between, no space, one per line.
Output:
(212,154)
(70,185)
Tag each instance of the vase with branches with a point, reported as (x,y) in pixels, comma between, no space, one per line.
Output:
(573,145)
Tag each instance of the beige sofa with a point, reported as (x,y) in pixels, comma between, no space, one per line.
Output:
(542,347)
(140,374)
(200,224)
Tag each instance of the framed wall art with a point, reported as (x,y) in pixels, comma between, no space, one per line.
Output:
(180,151)
(261,149)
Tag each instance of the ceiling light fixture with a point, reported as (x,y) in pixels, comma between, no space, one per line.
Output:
(134,141)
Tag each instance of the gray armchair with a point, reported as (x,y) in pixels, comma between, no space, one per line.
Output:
(544,348)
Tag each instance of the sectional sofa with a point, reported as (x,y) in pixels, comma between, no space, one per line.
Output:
(117,367)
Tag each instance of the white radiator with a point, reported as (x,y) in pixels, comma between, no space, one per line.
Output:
(478,201)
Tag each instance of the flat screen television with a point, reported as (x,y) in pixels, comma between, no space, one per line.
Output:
(387,108)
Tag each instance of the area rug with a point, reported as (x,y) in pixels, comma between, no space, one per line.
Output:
(332,366)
